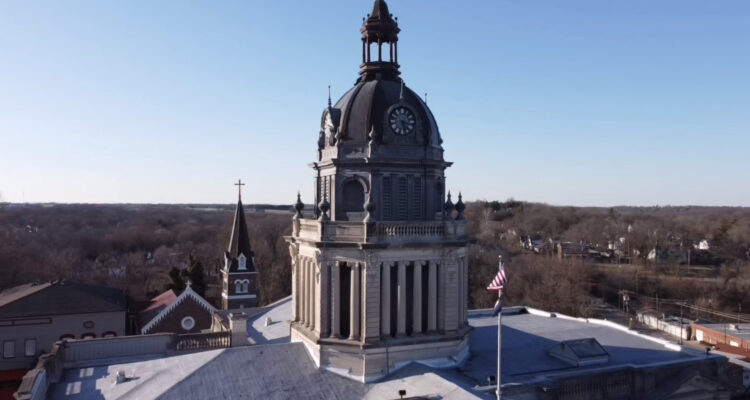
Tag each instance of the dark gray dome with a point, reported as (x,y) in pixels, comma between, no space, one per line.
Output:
(364,111)
(379,118)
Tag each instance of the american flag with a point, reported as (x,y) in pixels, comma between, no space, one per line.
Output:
(500,279)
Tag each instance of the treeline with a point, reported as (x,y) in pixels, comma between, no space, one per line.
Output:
(134,246)
(566,285)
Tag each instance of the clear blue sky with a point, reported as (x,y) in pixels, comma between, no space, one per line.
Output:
(636,102)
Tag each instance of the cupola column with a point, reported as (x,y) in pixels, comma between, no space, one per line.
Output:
(368,49)
(380,50)
(364,45)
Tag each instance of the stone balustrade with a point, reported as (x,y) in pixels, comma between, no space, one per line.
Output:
(381,232)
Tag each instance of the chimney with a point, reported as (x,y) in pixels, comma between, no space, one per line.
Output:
(238,327)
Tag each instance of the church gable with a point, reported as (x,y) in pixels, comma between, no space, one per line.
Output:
(190,313)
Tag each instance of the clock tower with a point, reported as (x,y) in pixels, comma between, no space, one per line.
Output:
(380,269)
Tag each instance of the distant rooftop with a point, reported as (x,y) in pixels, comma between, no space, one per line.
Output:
(741,331)
(59,297)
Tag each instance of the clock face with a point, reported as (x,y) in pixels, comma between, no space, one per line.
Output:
(402,121)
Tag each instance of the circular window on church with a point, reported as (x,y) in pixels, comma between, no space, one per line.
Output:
(188,323)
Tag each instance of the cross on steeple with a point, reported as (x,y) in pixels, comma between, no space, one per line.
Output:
(239,185)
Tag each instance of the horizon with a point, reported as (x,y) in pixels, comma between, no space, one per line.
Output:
(310,205)
(583,104)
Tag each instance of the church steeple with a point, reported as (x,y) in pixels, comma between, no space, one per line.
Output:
(239,277)
(239,254)
(378,29)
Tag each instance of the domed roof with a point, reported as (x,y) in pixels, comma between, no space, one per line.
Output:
(363,113)
(379,118)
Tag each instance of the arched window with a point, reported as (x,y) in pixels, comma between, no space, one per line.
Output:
(88,335)
(241,285)
(353,196)
(109,334)
(242,261)
(67,336)
(438,197)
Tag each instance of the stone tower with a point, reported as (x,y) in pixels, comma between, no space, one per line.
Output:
(239,277)
(380,269)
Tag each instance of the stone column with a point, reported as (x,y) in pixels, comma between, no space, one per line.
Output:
(417,294)
(401,322)
(356,300)
(385,300)
(432,297)
(465,285)
(370,300)
(295,292)
(303,290)
(325,300)
(336,301)
(460,292)
(310,294)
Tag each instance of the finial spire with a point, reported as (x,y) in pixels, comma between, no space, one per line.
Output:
(239,185)
(329,96)
(425,97)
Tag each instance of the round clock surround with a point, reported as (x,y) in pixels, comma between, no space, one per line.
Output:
(402,121)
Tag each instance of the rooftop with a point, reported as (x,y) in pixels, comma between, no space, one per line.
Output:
(276,368)
(59,297)
(740,331)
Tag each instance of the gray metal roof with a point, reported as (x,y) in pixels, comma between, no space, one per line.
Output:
(58,298)
(277,369)
(528,337)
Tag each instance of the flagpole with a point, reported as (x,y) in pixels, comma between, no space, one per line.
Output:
(499,346)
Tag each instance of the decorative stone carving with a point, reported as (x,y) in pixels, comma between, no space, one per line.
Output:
(449,207)
(460,207)
(324,206)
(298,207)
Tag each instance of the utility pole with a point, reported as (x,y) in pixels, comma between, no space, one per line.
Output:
(681,331)
(739,311)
